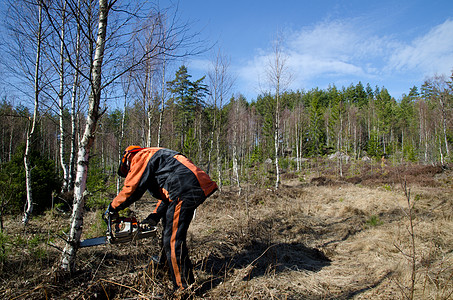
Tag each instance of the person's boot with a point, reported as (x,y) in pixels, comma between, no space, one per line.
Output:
(156,268)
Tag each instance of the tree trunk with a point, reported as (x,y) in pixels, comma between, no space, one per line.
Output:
(277,119)
(297,145)
(199,137)
(73,109)
(29,141)
(276,136)
(440,151)
(148,100)
(235,143)
(70,250)
(161,114)
(63,164)
(120,140)
(219,159)
(444,122)
(276,74)
(10,148)
(340,142)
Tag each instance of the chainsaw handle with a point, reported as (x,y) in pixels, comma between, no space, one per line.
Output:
(109,225)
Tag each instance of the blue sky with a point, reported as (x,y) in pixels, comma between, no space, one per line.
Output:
(395,44)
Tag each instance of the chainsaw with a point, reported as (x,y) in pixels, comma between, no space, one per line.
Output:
(121,230)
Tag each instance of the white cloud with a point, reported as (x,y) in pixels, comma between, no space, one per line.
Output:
(328,50)
(428,54)
(348,50)
(308,66)
(338,39)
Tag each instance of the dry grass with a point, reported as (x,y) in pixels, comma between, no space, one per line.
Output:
(312,239)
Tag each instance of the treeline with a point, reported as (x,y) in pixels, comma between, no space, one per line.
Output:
(92,89)
(358,121)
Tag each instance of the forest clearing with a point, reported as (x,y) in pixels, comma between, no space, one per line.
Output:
(337,191)
(317,237)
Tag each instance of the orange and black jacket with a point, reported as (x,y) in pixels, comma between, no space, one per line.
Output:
(167,175)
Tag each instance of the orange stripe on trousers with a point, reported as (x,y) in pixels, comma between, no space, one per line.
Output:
(174,261)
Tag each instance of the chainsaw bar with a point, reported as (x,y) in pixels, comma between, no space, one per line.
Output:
(122,230)
(93,242)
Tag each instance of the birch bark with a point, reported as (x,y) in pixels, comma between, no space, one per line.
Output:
(27,164)
(70,250)
(64,165)
(74,96)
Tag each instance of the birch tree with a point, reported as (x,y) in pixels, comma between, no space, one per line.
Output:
(27,28)
(74,96)
(147,45)
(162,101)
(279,78)
(69,252)
(440,96)
(220,82)
(107,62)
(126,86)
(29,203)
(235,119)
(61,104)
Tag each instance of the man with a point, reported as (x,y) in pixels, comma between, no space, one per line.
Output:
(180,187)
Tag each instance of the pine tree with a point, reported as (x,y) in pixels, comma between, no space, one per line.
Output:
(189,98)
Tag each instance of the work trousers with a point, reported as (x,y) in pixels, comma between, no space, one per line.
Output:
(175,222)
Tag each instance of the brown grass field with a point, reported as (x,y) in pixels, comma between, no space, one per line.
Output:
(318,236)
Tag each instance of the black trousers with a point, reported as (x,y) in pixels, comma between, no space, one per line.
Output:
(176,218)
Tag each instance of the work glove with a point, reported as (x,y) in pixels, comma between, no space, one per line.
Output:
(110,211)
(150,220)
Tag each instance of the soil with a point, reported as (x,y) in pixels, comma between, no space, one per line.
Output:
(318,236)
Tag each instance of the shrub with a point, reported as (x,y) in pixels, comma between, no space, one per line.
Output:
(35,247)
(99,187)
(44,182)
(373,221)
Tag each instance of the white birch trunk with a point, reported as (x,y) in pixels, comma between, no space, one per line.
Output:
(70,250)
(219,159)
(161,114)
(10,148)
(63,164)
(444,123)
(235,168)
(275,74)
(301,141)
(73,110)
(220,84)
(440,151)
(276,135)
(277,115)
(148,101)
(235,154)
(297,146)
(120,142)
(29,204)
(199,136)
(340,142)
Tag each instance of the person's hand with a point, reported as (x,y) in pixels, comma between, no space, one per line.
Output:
(150,220)
(110,212)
